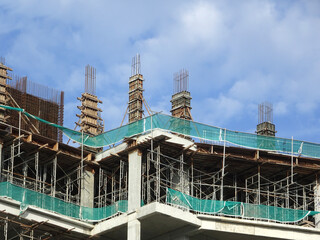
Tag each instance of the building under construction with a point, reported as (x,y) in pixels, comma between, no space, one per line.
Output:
(157,177)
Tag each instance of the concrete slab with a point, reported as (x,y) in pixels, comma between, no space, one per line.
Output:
(159,219)
(163,222)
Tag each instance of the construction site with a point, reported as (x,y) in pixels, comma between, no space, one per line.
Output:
(156,176)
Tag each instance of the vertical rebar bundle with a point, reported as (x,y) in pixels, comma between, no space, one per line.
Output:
(3,60)
(90,83)
(265,112)
(181,81)
(136,66)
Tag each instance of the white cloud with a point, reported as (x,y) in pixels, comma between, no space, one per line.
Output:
(217,111)
(238,53)
(280,108)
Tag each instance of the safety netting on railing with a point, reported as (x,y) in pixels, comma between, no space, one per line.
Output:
(236,209)
(28,197)
(188,128)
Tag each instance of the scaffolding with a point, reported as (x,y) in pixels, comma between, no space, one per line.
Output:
(53,172)
(176,181)
(112,184)
(34,169)
(214,179)
(46,169)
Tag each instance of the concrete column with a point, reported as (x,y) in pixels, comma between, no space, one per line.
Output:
(179,234)
(180,179)
(317,204)
(134,229)
(87,189)
(174,238)
(181,238)
(180,182)
(134,195)
(134,190)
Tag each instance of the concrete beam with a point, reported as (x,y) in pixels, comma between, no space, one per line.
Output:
(255,229)
(109,225)
(172,212)
(171,138)
(119,148)
(35,214)
(149,213)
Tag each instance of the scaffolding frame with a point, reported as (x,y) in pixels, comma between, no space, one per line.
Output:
(161,171)
(112,184)
(33,169)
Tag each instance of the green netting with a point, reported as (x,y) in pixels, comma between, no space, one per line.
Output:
(188,128)
(97,214)
(28,197)
(229,208)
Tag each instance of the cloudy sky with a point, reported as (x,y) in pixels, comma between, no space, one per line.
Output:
(238,53)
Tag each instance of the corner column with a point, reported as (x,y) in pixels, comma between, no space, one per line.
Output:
(87,189)
(134,194)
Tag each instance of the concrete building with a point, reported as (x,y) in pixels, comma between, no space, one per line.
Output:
(129,172)
(160,177)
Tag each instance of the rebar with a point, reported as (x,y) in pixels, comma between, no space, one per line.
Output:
(265,112)
(136,65)
(2,60)
(181,81)
(39,100)
(90,82)
(24,85)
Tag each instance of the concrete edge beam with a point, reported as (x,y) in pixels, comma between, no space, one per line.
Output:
(35,214)
(257,228)
(109,225)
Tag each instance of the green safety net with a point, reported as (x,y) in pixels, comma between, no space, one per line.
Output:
(238,209)
(188,128)
(27,197)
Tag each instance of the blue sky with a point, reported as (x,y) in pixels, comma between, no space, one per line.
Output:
(238,53)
